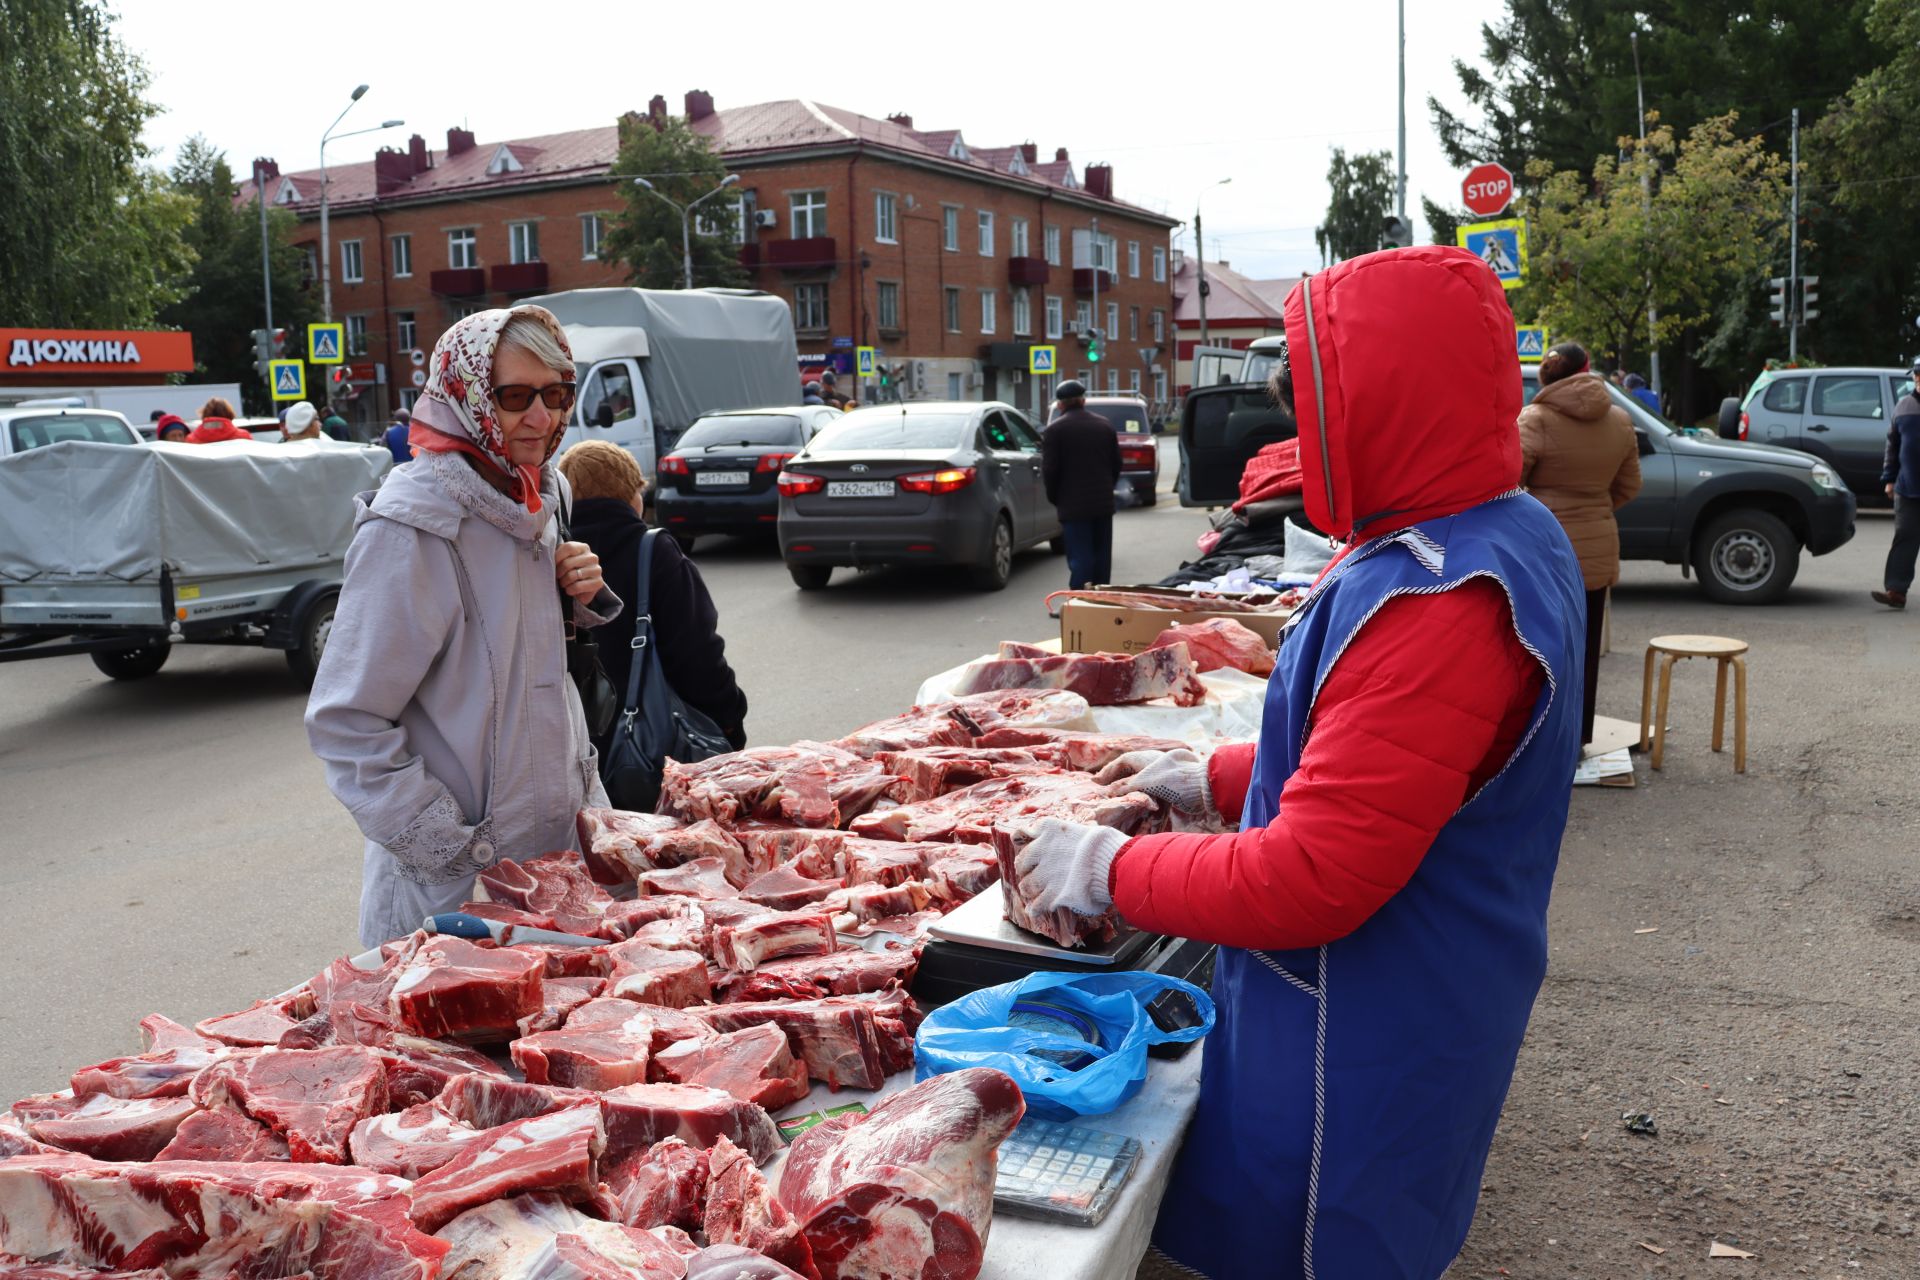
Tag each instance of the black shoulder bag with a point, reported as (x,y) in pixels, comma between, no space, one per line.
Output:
(656,725)
(598,700)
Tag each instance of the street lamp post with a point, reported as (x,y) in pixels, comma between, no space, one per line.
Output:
(326,246)
(686,219)
(1646,205)
(1200,261)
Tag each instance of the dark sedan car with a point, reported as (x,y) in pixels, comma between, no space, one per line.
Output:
(1139,450)
(939,482)
(720,476)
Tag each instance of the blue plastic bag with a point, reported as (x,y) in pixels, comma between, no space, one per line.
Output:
(1088,1072)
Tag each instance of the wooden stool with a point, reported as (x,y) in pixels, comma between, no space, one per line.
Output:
(1671,649)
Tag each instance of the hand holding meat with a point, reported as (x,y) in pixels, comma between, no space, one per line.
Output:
(1178,779)
(1068,865)
(578,570)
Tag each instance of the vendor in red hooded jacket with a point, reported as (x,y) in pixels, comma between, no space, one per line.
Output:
(1381,911)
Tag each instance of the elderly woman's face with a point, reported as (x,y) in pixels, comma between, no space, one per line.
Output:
(527,431)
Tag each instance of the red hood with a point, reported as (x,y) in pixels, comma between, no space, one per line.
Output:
(1408,412)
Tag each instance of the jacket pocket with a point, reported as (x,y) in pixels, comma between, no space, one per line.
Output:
(438,847)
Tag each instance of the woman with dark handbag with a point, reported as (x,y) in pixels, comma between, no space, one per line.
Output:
(607,494)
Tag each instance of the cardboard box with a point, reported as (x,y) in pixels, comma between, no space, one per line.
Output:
(1086,627)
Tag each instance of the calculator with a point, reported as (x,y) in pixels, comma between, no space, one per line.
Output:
(1063,1172)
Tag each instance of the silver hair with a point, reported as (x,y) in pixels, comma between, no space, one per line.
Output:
(530,334)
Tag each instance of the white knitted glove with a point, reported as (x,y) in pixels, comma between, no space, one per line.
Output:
(1068,865)
(1177,779)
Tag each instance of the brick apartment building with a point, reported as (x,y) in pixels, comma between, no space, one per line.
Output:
(951,260)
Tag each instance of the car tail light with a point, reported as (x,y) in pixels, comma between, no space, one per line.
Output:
(673,465)
(1136,455)
(1744,424)
(773,461)
(938,481)
(794,483)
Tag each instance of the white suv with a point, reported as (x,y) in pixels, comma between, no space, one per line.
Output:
(24,427)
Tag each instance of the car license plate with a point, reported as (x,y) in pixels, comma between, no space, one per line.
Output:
(704,478)
(860,488)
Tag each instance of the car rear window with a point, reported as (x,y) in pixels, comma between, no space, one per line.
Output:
(1127,419)
(890,429)
(742,428)
(1788,395)
(32,433)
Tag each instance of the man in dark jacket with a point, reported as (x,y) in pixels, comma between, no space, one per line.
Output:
(1901,475)
(1080,461)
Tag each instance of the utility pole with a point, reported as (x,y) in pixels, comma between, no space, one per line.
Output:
(1400,200)
(266,255)
(1793,251)
(1093,253)
(686,219)
(1646,206)
(1200,274)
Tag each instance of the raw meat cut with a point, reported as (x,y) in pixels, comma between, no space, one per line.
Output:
(16,1141)
(701,878)
(452,989)
(1086,752)
(838,1038)
(664,1024)
(555,885)
(258,1025)
(664,1185)
(811,852)
(934,771)
(103,1126)
(864,902)
(1103,679)
(685,930)
(962,874)
(558,998)
(969,815)
(21,1269)
(604,1051)
(540,1236)
(809,784)
(209,1219)
(1221,643)
(626,917)
(622,846)
(650,975)
(914,729)
(483,1102)
(224,1134)
(310,1097)
(784,889)
(905,1192)
(417,1067)
(410,1143)
(741,1210)
(888,861)
(1067,927)
(742,947)
(640,1115)
(935,725)
(554,1152)
(754,1065)
(731,1262)
(843,973)
(174,1056)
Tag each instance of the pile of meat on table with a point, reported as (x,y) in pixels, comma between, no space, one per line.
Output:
(529,1110)
(1170,668)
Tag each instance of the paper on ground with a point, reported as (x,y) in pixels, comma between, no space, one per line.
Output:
(1593,769)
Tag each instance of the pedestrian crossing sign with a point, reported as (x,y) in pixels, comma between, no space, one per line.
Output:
(327,343)
(1502,245)
(1530,342)
(863,361)
(1041,360)
(289,378)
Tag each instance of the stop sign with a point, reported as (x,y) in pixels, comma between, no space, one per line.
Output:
(1488,189)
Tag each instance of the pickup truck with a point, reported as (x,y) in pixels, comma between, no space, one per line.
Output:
(1737,515)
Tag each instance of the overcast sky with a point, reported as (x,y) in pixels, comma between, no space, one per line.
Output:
(1258,94)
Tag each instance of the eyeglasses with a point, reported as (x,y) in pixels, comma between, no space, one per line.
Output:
(514,398)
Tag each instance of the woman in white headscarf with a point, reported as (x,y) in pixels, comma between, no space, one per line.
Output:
(442,708)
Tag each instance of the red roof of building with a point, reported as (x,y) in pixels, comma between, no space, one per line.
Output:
(1233,299)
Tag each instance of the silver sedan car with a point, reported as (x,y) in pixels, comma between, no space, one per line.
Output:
(929,482)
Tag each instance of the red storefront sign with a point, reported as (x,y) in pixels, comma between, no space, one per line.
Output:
(120,354)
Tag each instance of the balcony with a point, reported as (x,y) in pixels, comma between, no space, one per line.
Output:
(750,256)
(460,282)
(520,277)
(800,255)
(1083,278)
(1028,271)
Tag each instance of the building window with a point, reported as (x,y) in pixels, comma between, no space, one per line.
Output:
(886,217)
(352,265)
(740,231)
(1086,378)
(1021,246)
(953,310)
(956,386)
(1133,262)
(1159,325)
(591,229)
(986,233)
(1133,324)
(810,306)
(409,397)
(989,310)
(1022,314)
(809,214)
(406,330)
(461,310)
(1113,379)
(1159,264)
(1112,331)
(523,242)
(1082,317)
(1051,239)
(1054,328)
(463,248)
(889,304)
(1159,383)
(950,228)
(402,256)
(356,335)
(309,264)
(1133,381)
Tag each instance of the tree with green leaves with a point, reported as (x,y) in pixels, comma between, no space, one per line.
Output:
(1361,191)
(646,234)
(88,239)
(223,303)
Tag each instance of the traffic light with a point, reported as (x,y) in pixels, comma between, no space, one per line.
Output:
(262,351)
(1809,294)
(1093,346)
(1777,300)
(1396,233)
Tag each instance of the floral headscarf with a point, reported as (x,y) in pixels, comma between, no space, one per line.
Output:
(456,413)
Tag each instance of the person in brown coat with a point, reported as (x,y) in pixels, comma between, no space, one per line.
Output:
(1579,457)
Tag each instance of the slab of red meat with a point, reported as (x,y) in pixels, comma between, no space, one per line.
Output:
(685,930)
(664,1185)
(867,902)
(912,730)
(934,771)
(969,815)
(539,1236)
(558,998)
(906,1190)
(224,1134)
(840,1039)
(1221,643)
(639,1115)
(741,1210)
(701,878)
(1086,752)
(259,1024)
(196,1218)
(870,861)
(16,1141)
(809,784)
(1066,927)
(845,972)
(739,948)
(784,889)
(174,1056)
(103,1126)
(958,722)
(754,1065)
(553,1152)
(627,917)
(960,875)
(811,851)
(484,1102)
(620,845)
(1103,679)
(652,975)
(310,1097)
(666,1025)
(453,989)
(15,1268)
(555,885)
(418,1067)
(604,1051)
(410,1143)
